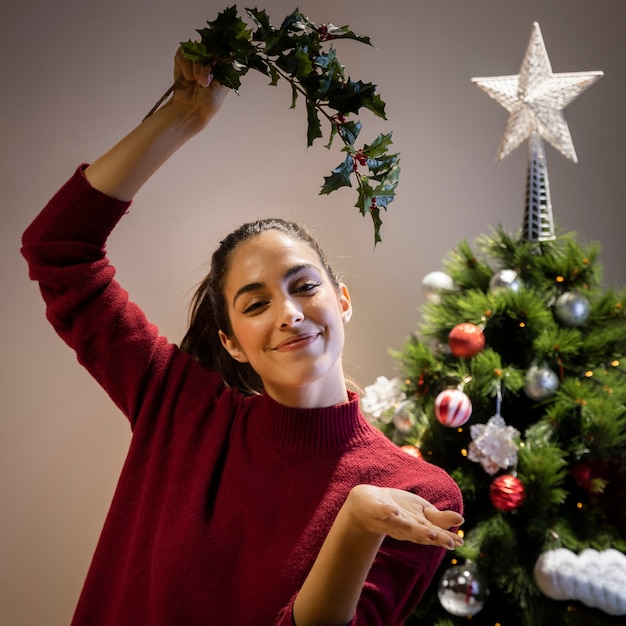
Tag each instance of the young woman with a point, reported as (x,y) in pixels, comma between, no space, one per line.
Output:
(254,492)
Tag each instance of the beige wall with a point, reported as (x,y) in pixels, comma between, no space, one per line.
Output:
(77,74)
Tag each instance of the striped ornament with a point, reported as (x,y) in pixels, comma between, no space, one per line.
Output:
(452,408)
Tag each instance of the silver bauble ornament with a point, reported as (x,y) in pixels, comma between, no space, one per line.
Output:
(540,382)
(463,590)
(434,284)
(505,280)
(572,308)
(402,418)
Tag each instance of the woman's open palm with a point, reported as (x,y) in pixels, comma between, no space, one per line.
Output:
(405,516)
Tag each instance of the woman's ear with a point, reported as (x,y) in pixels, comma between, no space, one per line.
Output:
(232,347)
(345,303)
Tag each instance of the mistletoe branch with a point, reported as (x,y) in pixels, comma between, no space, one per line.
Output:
(295,53)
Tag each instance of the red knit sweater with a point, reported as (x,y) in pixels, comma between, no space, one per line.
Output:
(223,501)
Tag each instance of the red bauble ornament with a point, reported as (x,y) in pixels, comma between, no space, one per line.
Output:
(582,475)
(466,340)
(592,476)
(507,493)
(452,408)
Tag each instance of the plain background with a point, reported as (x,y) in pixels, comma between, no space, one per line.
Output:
(77,75)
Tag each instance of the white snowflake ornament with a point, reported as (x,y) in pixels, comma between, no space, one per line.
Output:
(493,445)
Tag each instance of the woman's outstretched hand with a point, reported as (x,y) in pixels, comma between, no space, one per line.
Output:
(403,515)
(331,592)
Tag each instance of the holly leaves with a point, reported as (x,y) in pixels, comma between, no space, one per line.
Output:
(300,53)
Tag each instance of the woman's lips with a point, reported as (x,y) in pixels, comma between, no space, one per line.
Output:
(299,341)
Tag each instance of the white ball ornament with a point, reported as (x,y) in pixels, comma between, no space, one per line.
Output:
(572,308)
(453,408)
(505,280)
(434,283)
(540,382)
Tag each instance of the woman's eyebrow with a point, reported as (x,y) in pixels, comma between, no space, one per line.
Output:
(298,268)
(259,285)
(246,289)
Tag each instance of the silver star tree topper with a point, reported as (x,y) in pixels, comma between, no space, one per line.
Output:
(535,100)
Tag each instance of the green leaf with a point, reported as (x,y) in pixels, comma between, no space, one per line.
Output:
(378,147)
(366,194)
(275,76)
(386,190)
(314,127)
(340,176)
(344,32)
(382,164)
(367,203)
(349,97)
(262,20)
(296,64)
(349,131)
(376,106)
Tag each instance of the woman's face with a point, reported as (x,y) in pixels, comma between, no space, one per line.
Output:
(287,319)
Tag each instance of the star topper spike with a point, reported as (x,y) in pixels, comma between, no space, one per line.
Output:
(535,99)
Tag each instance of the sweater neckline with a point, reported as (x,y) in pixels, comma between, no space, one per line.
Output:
(311,430)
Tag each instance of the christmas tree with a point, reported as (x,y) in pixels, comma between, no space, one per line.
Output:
(515,384)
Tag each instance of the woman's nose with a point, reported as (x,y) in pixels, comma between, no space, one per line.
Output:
(290,313)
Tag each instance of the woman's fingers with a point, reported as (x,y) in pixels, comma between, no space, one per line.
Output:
(406,516)
(191,71)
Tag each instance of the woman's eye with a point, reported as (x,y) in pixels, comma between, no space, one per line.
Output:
(252,307)
(308,286)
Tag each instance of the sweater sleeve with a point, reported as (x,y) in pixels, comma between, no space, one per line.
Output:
(65,249)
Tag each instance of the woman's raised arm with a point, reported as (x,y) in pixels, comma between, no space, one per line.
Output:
(196,98)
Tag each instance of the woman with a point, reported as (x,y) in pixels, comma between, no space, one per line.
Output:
(254,492)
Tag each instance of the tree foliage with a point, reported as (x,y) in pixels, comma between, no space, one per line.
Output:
(571,449)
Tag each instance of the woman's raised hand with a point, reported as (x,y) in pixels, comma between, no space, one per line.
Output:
(403,515)
(194,87)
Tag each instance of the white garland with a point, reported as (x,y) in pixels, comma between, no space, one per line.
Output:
(597,579)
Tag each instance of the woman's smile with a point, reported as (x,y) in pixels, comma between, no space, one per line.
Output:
(296,342)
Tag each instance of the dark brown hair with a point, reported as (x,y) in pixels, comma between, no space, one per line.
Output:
(209,313)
